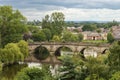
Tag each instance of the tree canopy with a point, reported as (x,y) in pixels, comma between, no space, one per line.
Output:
(12,25)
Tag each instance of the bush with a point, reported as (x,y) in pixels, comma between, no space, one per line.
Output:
(30,74)
(0,66)
(116,76)
(34,74)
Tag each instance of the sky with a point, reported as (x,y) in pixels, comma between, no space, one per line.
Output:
(74,10)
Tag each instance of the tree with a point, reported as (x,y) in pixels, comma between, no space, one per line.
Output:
(57,22)
(46,23)
(80,37)
(34,74)
(68,36)
(23,47)
(12,25)
(30,74)
(110,38)
(39,36)
(33,29)
(89,27)
(114,57)
(47,33)
(54,23)
(73,68)
(98,31)
(14,52)
(97,69)
(11,53)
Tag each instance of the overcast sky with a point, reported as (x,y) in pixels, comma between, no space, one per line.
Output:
(74,10)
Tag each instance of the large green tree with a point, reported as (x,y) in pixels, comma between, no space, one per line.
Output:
(54,22)
(12,25)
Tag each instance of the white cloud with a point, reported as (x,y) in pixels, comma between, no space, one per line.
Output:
(75,14)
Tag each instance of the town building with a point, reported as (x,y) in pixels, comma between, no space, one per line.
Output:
(75,29)
(116,32)
(94,35)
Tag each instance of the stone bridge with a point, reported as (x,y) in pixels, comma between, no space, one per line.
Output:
(75,47)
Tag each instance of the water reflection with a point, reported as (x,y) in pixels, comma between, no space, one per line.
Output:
(10,71)
(53,67)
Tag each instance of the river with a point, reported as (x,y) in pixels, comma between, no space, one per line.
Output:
(9,72)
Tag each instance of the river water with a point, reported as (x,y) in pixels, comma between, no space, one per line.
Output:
(9,72)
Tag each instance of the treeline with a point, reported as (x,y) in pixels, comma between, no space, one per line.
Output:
(98,24)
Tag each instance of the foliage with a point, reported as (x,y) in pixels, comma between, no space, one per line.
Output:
(47,34)
(54,23)
(13,52)
(56,38)
(41,53)
(34,23)
(115,76)
(114,57)
(34,74)
(73,69)
(33,29)
(98,30)
(97,69)
(93,77)
(39,36)
(12,25)
(89,27)
(46,23)
(9,72)
(0,66)
(110,38)
(30,74)
(23,47)
(68,36)
(57,22)
(80,37)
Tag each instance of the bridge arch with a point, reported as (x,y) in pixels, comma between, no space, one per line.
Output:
(41,52)
(88,51)
(104,51)
(58,50)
